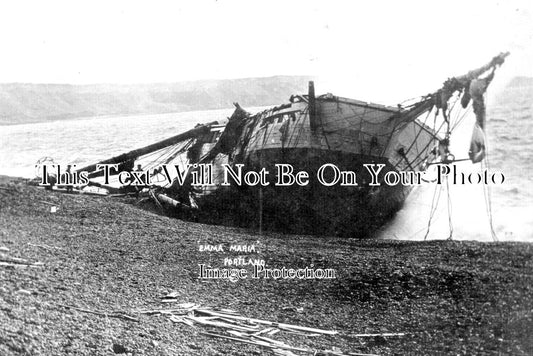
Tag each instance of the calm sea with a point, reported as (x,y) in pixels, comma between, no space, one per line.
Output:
(510,134)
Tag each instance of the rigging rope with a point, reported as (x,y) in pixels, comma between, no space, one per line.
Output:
(452,120)
(434,206)
(449,208)
(487,194)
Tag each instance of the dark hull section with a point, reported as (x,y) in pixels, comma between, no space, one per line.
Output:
(351,211)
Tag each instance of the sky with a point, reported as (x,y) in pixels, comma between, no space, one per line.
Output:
(381,51)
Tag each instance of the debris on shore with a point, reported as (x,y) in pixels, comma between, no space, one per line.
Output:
(106,255)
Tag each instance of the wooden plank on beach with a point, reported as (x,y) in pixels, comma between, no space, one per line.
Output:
(261,343)
(107,315)
(220,324)
(378,335)
(266,322)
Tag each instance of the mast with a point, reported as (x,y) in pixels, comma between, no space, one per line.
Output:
(312,106)
(197,131)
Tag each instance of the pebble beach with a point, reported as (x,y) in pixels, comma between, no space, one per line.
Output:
(71,262)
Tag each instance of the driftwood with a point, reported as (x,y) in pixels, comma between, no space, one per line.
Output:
(121,195)
(168,300)
(153,196)
(107,315)
(270,323)
(261,343)
(248,330)
(84,192)
(171,202)
(177,319)
(204,321)
(284,348)
(272,341)
(183,308)
(163,311)
(377,335)
(142,200)
(281,352)
(109,188)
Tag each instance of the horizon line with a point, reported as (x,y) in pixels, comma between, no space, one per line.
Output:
(162,82)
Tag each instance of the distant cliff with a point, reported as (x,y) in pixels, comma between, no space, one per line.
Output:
(25,103)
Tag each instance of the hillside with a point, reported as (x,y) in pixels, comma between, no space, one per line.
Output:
(25,103)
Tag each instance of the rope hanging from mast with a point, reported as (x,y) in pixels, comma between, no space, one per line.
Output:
(472,88)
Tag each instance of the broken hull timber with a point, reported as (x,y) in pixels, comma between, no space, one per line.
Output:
(348,134)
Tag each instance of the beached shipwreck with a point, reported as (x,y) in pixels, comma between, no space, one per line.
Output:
(307,132)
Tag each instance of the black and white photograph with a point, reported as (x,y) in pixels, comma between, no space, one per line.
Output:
(291,178)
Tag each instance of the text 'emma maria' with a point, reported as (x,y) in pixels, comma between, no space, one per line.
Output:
(231,248)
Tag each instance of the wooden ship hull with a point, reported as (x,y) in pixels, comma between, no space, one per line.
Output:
(308,132)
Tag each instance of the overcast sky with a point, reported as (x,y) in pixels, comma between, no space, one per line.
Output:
(381,50)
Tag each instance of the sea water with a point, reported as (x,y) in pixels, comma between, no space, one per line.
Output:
(464,209)
(465,213)
(89,140)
